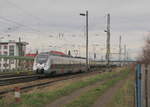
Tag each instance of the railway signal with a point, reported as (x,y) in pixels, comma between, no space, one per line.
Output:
(17,94)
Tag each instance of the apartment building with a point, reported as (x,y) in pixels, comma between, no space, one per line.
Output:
(11,48)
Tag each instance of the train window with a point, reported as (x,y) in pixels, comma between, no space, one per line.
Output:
(51,61)
(42,58)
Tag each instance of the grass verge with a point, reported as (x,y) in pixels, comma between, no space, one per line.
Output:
(89,97)
(42,98)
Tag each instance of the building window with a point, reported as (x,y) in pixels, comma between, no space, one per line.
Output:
(5,46)
(5,65)
(5,53)
(12,61)
(11,50)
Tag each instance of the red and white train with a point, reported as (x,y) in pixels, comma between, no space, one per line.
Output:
(49,63)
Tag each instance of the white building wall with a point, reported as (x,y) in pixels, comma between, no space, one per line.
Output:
(11,62)
(2,53)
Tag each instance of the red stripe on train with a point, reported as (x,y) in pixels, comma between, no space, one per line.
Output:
(62,70)
(53,66)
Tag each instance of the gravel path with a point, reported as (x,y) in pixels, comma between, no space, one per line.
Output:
(67,99)
(103,100)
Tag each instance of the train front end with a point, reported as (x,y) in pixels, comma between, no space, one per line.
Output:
(41,63)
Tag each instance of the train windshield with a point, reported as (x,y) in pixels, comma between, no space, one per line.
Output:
(42,58)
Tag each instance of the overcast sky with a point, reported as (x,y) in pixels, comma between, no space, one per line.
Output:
(39,22)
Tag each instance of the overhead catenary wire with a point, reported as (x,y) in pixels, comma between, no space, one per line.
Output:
(24,11)
(17,23)
(38,19)
(7,26)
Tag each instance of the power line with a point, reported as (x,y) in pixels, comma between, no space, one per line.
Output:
(19,24)
(23,10)
(8,26)
(8,20)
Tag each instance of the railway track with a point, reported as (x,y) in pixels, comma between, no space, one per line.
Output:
(7,79)
(47,83)
(7,75)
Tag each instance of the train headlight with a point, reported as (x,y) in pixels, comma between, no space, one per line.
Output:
(42,65)
(45,66)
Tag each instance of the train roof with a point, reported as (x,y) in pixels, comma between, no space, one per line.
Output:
(62,55)
(57,52)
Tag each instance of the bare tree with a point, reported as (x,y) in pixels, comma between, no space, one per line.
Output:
(145,57)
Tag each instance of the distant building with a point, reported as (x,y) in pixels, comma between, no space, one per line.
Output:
(11,48)
(31,54)
(29,64)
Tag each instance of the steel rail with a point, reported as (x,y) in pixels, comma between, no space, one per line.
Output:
(19,79)
(48,83)
(14,75)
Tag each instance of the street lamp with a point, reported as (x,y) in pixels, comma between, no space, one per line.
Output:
(86,14)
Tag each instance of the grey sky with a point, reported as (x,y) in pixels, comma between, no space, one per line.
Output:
(129,18)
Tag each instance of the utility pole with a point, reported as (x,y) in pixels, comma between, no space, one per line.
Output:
(86,15)
(127,55)
(108,40)
(120,50)
(87,40)
(124,54)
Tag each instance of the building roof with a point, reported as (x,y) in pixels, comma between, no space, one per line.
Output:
(31,55)
(23,43)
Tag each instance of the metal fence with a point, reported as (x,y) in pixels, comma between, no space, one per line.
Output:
(15,63)
(142,85)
